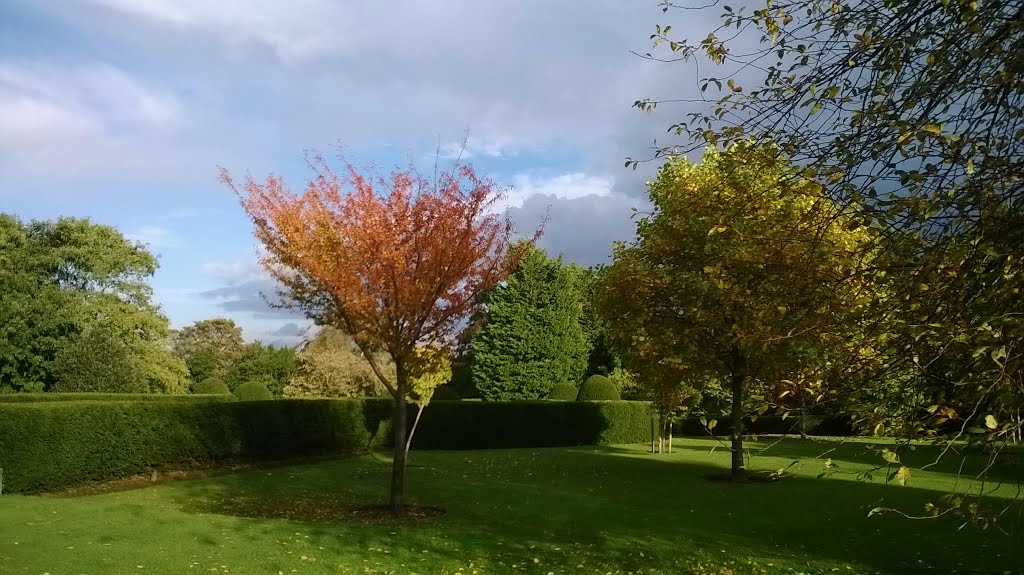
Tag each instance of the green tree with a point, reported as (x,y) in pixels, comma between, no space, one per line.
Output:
(602,359)
(743,273)
(98,360)
(911,117)
(532,337)
(273,365)
(332,365)
(37,314)
(67,276)
(209,347)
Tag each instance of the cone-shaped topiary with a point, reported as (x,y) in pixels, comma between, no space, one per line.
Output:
(597,388)
(211,386)
(563,392)
(253,391)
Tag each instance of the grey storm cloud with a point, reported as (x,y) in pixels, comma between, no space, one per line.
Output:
(250,297)
(581,229)
(527,75)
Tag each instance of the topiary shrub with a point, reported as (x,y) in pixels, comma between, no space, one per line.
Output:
(598,388)
(253,391)
(563,392)
(446,393)
(211,386)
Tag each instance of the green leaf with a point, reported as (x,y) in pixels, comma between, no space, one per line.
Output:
(890,456)
(903,475)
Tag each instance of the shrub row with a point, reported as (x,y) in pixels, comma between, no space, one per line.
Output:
(52,397)
(838,426)
(501,424)
(49,445)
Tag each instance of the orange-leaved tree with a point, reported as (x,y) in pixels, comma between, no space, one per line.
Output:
(397,261)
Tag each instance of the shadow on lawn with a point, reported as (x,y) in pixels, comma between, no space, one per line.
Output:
(609,507)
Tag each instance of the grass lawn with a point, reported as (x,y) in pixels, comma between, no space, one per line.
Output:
(538,511)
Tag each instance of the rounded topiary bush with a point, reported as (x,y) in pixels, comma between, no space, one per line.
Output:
(211,386)
(253,391)
(597,388)
(446,393)
(563,392)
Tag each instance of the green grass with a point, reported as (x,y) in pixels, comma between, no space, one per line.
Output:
(536,511)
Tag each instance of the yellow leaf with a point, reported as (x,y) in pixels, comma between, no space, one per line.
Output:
(903,475)
(990,422)
(933,129)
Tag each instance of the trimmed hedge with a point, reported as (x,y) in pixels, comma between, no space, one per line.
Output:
(446,393)
(563,392)
(253,391)
(88,396)
(50,445)
(836,426)
(598,388)
(538,423)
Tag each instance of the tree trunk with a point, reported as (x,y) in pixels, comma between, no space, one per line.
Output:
(654,433)
(670,435)
(738,380)
(399,450)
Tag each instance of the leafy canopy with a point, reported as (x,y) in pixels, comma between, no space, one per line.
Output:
(744,270)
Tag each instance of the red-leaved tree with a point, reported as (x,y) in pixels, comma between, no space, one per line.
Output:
(396,261)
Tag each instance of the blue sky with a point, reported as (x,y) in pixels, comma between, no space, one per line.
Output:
(122,110)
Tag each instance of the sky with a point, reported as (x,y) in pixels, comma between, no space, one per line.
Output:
(122,111)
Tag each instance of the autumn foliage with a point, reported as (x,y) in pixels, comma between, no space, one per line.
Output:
(396,261)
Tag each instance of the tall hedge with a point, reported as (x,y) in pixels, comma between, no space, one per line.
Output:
(49,445)
(89,396)
(839,426)
(501,424)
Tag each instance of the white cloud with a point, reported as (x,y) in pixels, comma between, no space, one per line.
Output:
(155,236)
(69,120)
(295,30)
(491,147)
(563,187)
(235,272)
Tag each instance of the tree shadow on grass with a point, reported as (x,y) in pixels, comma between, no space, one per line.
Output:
(616,508)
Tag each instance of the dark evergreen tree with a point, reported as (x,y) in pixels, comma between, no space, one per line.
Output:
(532,338)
